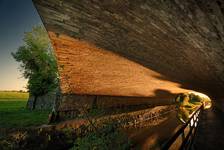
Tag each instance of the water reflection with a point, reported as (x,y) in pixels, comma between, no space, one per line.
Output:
(189,102)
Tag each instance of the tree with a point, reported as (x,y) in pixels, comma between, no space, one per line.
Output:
(38,63)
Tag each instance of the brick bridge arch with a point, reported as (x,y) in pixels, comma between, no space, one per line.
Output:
(124,52)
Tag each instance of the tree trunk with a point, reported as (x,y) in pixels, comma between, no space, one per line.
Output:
(34,102)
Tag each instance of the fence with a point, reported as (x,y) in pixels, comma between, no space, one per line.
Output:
(186,138)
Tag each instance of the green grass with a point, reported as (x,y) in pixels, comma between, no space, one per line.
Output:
(13,114)
(13,95)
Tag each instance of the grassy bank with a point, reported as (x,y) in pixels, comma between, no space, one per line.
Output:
(13,112)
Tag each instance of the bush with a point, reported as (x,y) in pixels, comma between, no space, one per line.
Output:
(189,102)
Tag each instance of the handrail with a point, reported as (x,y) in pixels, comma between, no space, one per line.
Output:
(186,141)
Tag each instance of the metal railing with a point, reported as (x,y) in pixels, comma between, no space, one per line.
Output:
(185,139)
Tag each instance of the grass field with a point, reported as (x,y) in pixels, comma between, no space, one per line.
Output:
(13,112)
(13,95)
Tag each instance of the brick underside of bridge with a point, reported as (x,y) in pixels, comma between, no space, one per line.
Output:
(122,53)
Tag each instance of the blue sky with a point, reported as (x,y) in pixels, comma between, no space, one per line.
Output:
(16,17)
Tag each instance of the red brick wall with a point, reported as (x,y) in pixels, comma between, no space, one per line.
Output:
(87,69)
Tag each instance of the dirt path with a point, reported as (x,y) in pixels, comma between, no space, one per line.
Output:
(210,135)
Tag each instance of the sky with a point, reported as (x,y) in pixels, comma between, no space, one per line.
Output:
(16,17)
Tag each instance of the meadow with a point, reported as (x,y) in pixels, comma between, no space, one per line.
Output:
(14,95)
(13,112)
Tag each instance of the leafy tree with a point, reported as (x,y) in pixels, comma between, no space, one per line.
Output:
(38,63)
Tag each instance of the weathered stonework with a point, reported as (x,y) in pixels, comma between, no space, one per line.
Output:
(44,102)
(138,119)
(72,104)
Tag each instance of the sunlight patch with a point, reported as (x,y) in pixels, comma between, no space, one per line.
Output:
(189,102)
